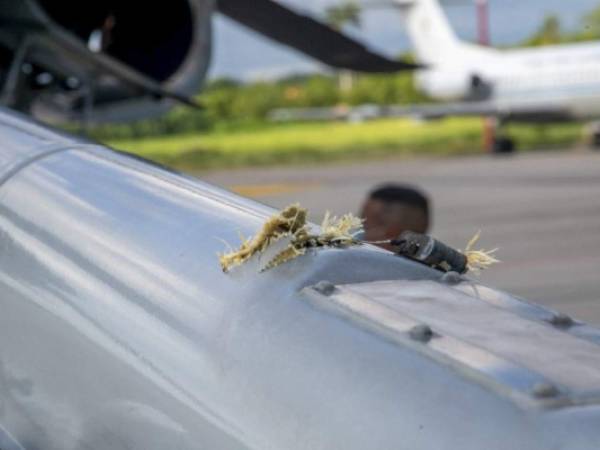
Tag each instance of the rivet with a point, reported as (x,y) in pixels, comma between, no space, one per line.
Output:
(561,320)
(544,390)
(324,287)
(421,333)
(451,278)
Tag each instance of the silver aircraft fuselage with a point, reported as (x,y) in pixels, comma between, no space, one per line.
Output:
(118,329)
(554,81)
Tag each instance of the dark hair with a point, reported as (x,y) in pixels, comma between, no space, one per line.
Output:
(397,193)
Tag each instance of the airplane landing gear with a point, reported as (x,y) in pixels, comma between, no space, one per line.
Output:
(596,140)
(592,135)
(503,145)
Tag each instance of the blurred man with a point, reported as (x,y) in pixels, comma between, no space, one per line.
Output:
(391,209)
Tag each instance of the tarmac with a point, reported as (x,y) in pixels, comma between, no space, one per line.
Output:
(542,211)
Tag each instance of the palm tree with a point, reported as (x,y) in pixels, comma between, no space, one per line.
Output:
(548,33)
(345,12)
(337,16)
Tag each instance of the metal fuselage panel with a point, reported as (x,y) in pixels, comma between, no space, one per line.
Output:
(24,141)
(119,331)
(119,325)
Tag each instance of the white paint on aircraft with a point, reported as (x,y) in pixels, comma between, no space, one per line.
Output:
(562,77)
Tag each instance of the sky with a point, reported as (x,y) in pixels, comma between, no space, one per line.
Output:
(242,54)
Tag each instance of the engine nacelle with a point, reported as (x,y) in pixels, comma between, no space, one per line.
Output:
(452,84)
(104,60)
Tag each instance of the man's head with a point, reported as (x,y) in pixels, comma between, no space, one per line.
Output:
(391,209)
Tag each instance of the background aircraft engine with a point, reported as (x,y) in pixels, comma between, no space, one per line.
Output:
(453,85)
(106,60)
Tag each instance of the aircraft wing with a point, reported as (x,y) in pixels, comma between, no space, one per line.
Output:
(307,35)
(517,111)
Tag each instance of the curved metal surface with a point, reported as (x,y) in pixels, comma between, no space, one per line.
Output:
(119,331)
(493,341)
(24,141)
(114,272)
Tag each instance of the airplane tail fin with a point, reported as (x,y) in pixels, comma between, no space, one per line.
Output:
(429,30)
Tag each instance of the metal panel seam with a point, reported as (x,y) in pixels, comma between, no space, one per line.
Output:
(147,168)
(49,150)
(537,313)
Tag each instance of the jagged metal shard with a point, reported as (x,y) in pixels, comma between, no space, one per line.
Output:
(118,329)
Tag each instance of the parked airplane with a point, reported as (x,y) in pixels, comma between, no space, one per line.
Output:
(560,82)
(553,83)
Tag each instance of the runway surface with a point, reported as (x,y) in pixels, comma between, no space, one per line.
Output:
(542,210)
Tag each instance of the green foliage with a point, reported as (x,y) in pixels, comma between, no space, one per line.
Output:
(384,90)
(318,91)
(548,33)
(334,141)
(252,102)
(178,120)
(228,104)
(590,27)
(346,12)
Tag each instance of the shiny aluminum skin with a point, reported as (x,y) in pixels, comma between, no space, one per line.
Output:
(118,330)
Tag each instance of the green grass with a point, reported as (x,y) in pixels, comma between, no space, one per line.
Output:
(317,142)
